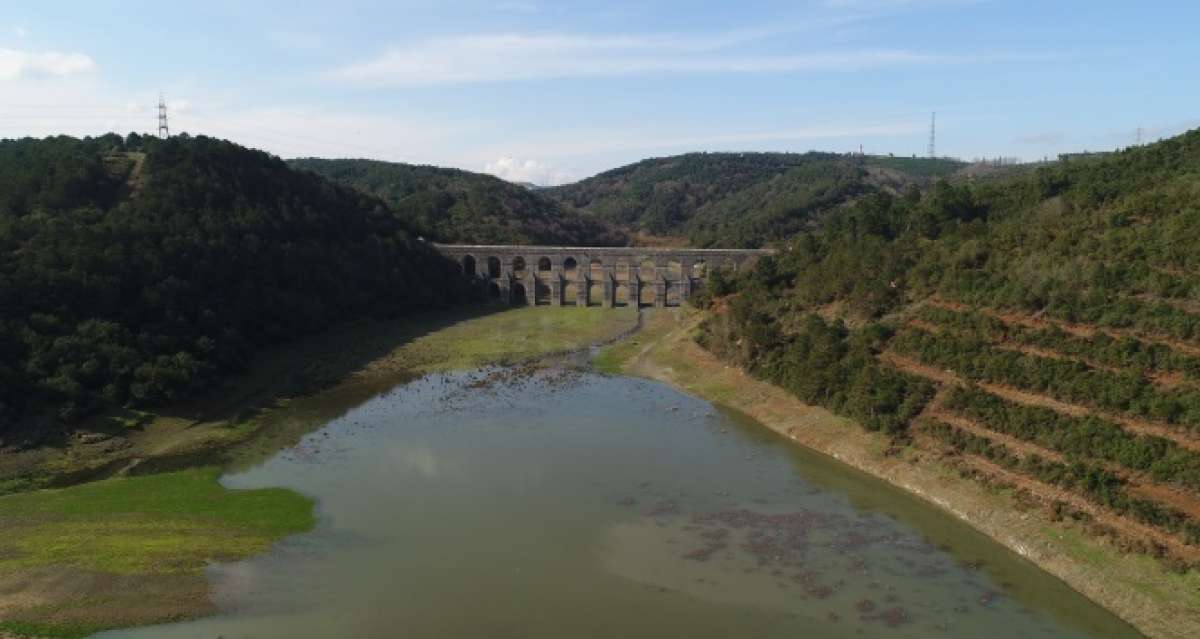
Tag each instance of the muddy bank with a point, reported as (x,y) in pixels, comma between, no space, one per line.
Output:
(1137,588)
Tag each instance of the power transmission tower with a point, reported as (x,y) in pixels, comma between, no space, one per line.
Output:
(163,131)
(933,135)
(1139,136)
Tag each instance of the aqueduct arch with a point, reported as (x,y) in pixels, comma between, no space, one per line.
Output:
(593,276)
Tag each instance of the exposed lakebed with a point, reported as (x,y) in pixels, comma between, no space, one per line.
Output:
(555,503)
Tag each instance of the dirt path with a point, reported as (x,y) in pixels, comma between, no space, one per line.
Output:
(1018,396)
(973,427)
(1078,330)
(1163,379)
(1048,493)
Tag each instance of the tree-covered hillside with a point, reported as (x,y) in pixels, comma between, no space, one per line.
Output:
(449,205)
(739,199)
(135,270)
(1042,328)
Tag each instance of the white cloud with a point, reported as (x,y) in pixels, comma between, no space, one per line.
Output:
(508,57)
(16,64)
(514,170)
(21,33)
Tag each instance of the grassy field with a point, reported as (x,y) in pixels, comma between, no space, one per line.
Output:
(171,522)
(130,549)
(511,336)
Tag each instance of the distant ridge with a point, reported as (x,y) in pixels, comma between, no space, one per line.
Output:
(460,207)
(740,199)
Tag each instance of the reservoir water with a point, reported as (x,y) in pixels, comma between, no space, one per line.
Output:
(559,503)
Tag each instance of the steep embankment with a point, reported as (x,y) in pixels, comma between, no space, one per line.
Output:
(449,205)
(1037,332)
(739,199)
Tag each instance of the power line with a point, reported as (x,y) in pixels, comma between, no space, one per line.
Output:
(163,131)
(933,135)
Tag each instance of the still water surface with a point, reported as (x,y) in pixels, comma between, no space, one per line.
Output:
(563,504)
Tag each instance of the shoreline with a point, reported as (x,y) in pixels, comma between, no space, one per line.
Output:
(1137,589)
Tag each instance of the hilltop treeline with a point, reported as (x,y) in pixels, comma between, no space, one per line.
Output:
(740,199)
(138,270)
(453,206)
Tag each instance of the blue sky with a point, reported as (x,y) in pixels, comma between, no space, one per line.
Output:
(555,91)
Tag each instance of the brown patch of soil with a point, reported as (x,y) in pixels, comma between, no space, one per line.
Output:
(1047,493)
(1169,380)
(949,304)
(1132,424)
(1051,354)
(1018,446)
(912,366)
(64,596)
(1187,306)
(933,329)
(1036,320)
(1138,482)
(1172,496)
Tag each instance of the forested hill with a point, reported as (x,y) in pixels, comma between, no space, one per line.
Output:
(137,270)
(1043,328)
(449,205)
(740,199)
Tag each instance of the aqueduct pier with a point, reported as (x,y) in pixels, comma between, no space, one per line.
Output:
(587,276)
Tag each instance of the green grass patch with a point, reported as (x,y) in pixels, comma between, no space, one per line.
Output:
(514,335)
(168,523)
(1140,573)
(50,631)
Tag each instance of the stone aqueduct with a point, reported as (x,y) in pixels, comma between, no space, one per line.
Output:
(584,276)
